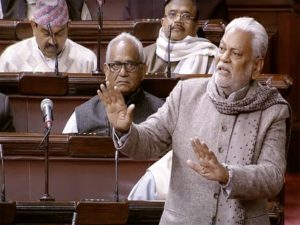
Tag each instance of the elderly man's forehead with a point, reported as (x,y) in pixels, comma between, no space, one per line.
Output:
(238,39)
(174,4)
(131,49)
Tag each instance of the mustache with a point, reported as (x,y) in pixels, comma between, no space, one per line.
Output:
(51,46)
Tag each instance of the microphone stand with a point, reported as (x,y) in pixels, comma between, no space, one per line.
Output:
(46,196)
(55,46)
(3,199)
(98,70)
(169,52)
(116,197)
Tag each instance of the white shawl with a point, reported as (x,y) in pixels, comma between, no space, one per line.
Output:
(192,52)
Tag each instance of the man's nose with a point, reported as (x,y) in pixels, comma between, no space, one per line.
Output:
(123,71)
(178,18)
(52,40)
(225,56)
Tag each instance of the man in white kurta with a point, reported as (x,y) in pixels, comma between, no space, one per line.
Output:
(38,53)
(178,43)
(189,54)
(26,56)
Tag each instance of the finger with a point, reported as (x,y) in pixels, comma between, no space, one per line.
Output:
(103,94)
(118,97)
(129,113)
(195,166)
(197,147)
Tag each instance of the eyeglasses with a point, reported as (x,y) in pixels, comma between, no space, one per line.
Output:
(116,67)
(185,17)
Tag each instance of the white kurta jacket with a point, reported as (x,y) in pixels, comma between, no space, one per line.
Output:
(25,56)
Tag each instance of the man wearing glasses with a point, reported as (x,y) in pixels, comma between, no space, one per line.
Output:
(189,54)
(124,68)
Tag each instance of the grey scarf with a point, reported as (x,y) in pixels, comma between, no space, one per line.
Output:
(259,98)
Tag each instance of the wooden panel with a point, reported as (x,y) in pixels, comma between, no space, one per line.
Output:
(73,179)
(26,108)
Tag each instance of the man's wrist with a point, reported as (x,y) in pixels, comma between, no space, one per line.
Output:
(225,176)
(121,133)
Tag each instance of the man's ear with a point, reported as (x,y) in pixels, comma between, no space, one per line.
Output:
(162,20)
(33,26)
(197,26)
(259,64)
(106,70)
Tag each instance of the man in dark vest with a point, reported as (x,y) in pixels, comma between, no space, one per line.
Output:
(124,68)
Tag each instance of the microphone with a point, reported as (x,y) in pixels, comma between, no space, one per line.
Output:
(55,46)
(100,3)
(169,52)
(3,175)
(47,109)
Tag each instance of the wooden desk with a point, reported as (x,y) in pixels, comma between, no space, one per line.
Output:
(78,169)
(73,178)
(140,212)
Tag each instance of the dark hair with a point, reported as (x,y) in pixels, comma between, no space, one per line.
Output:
(195,2)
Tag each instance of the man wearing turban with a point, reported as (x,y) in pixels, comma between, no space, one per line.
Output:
(38,53)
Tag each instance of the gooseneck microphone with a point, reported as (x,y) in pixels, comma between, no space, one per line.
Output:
(47,109)
(100,3)
(169,51)
(3,198)
(55,46)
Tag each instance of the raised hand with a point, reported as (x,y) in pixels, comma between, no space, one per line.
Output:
(208,165)
(119,115)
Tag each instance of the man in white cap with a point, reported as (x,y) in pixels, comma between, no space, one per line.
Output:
(38,53)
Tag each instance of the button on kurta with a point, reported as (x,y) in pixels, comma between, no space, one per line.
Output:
(216,195)
(220,149)
(224,128)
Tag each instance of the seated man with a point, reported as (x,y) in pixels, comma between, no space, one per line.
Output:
(154,184)
(6,120)
(24,9)
(189,54)
(125,68)
(153,9)
(197,59)
(38,53)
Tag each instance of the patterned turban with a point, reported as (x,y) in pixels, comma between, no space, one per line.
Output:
(53,12)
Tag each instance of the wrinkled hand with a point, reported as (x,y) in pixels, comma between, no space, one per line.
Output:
(119,115)
(208,165)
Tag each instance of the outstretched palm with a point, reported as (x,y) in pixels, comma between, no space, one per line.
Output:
(208,165)
(119,115)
